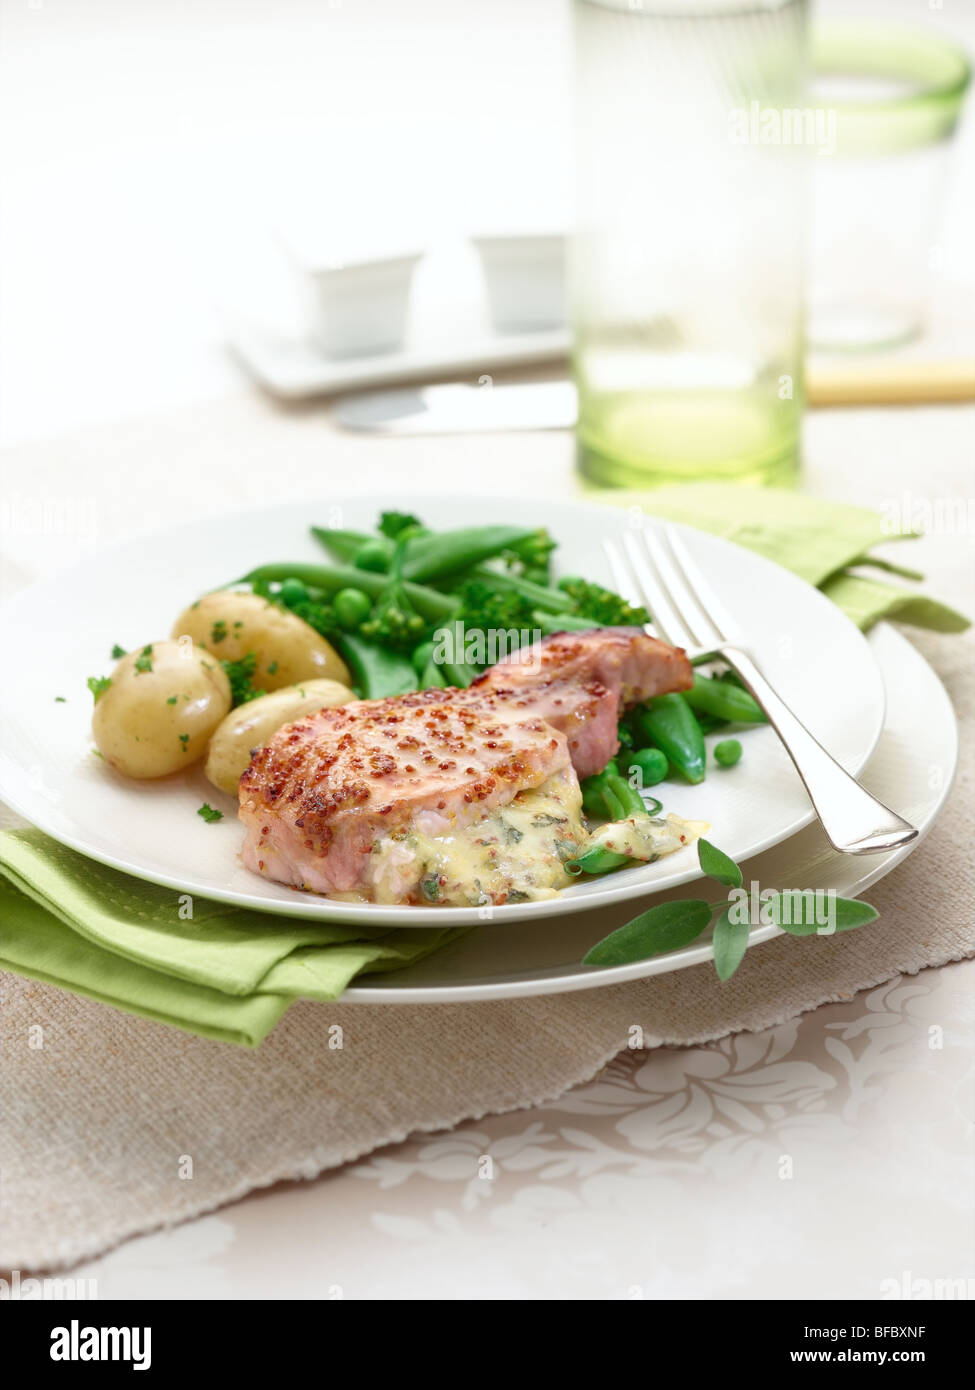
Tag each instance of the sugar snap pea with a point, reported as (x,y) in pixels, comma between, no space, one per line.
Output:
(723,700)
(444,553)
(376,671)
(344,545)
(668,722)
(597,860)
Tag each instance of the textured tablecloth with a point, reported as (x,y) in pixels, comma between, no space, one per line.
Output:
(115,1126)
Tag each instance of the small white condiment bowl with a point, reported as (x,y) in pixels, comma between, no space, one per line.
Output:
(525,277)
(356,304)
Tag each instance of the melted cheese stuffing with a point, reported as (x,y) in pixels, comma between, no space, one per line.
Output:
(515,854)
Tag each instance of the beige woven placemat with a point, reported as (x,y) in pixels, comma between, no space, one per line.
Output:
(112,1125)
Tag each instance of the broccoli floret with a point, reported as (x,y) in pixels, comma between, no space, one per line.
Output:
(391,524)
(484,607)
(601,606)
(394,621)
(531,557)
(307,605)
(320,616)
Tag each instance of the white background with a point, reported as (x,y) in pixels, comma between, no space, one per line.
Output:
(150,147)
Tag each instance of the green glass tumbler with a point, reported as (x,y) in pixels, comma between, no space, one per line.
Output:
(686,259)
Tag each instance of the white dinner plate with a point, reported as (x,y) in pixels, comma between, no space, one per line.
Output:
(62,631)
(912,768)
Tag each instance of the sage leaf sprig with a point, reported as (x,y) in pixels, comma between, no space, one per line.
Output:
(669,926)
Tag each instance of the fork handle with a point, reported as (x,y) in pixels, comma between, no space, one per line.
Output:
(855,822)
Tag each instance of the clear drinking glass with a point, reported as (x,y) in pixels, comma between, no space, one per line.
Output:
(686,261)
(893,97)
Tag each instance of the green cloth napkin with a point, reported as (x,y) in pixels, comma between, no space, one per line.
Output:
(230,974)
(225,973)
(826,543)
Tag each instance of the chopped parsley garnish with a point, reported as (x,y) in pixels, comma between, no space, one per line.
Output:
(219,631)
(143,661)
(118,652)
(172,700)
(60,700)
(98,685)
(184,740)
(209,814)
(272,669)
(240,674)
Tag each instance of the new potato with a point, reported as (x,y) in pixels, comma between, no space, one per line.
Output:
(250,726)
(157,720)
(230,624)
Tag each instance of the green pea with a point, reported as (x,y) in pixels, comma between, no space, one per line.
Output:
(352,607)
(650,763)
(374,555)
(727,752)
(293,591)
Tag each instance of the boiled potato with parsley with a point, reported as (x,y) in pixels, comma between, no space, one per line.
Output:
(250,726)
(159,708)
(231,624)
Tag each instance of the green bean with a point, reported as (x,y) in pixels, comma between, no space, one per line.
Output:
(549,600)
(597,861)
(727,753)
(561,622)
(351,606)
(608,796)
(458,673)
(444,553)
(668,722)
(628,797)
(651,764)
(723,700)
(592,796)
(376,671)
(429,603)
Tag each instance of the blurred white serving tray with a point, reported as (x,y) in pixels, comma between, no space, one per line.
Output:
(290,364)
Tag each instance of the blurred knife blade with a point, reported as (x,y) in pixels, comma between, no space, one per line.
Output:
(457,408)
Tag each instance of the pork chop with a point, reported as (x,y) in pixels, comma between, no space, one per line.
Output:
(579,682)
(326,792)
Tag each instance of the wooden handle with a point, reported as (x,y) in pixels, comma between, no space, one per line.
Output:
(892,383)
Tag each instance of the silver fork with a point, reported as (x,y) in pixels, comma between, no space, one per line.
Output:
(661,575)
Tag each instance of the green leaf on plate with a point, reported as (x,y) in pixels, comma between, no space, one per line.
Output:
(717,865)
(803,913)
(664,928)
(730,943)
